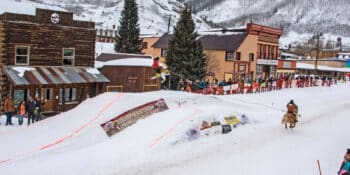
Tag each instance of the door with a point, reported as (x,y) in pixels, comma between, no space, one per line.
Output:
(133,82)
(48,99)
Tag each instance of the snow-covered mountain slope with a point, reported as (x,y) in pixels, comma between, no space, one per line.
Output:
(292,15)
(153,14)
(302,16)
(24,7)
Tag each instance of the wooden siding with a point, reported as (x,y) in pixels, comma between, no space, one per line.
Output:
(47,41)
(130,78)
(3,87)
(43,16)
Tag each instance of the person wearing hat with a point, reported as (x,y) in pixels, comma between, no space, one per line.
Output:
(9,108)
(293,109)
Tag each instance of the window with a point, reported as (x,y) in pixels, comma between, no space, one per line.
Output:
(60,96)
(251,57)
(242,68)
(70,94)
(47,93)
(22,55)
(258,69)
(238,56)
(272,55)
(229,56)
(144,45)
(164,52)
(37,92)
(19,95)
(263,51)
(68,57)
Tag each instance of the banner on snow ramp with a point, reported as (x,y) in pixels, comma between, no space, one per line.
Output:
(131,116)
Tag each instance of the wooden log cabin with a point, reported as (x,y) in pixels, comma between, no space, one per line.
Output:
(49,55)
(128,72)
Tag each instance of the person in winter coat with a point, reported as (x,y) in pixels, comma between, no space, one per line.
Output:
(21,112)
(156,67)
(293,109)
(9,108)
(30,109)
(38,108)
(345,166)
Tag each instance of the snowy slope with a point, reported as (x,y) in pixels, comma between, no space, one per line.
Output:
(293,15)
(153,14)
(74,143)
(24,7)
(296,17)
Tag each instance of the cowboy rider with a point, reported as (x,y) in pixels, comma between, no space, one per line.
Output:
(292,108)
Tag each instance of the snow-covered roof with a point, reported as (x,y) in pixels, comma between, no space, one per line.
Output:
(320,67)
(288,54)
(223,31)
(126,62)
(21,70)
(343,56)
(42,75)
(101,47)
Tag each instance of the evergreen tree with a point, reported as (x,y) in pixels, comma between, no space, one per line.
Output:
(127,38)
(185,56)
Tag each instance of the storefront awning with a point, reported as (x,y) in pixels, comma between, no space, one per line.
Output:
(53,75)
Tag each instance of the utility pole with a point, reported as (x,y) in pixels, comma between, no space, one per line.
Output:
(318,35)
(169,23)
(317,52)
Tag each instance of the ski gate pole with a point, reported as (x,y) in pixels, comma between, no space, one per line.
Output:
(319,167)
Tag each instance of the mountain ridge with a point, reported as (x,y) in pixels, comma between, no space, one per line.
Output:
(298,19)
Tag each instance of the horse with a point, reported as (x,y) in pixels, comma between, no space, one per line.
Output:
(290,118)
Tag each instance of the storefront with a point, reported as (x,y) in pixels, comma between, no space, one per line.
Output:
(59,88)
(266,68)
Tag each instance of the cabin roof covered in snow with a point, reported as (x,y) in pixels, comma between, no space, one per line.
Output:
(45,75)
(140,62)
(104,57)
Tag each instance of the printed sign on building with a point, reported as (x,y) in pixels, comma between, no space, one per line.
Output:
(131,116)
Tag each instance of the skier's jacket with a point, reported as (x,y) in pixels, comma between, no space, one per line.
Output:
(155,64)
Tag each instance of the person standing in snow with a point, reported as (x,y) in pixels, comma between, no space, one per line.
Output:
(9,108)
(38,108)
(30,109)
(22,112)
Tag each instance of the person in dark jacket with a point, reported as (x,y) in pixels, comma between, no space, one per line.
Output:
(30,109)
(38,108)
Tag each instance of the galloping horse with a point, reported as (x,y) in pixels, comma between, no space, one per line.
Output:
(290,118)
